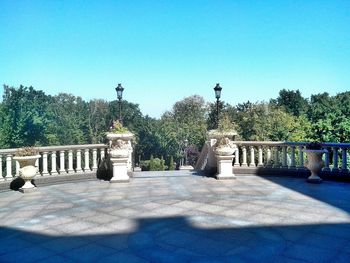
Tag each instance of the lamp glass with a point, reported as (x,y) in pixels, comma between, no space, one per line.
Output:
(217,90)
(119,90)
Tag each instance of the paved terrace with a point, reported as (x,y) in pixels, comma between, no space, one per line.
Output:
(178,217)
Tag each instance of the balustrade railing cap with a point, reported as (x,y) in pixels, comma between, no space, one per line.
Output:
(214,134)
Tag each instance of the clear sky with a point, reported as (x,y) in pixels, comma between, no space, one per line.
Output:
(162,51)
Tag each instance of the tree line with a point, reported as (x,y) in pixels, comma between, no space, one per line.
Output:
(31,117)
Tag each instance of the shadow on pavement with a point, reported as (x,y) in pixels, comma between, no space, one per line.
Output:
(181,239)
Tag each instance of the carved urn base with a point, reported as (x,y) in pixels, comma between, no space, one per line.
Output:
(27,171)
(314,163)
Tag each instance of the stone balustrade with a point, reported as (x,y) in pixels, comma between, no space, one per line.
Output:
(289,156)
(57,160)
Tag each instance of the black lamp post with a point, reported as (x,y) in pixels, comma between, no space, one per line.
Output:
(217,90)
(120,90)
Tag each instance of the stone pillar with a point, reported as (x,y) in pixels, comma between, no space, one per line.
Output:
(94,160)
(45,170)
(1,178)
(284,157)
(53,163)
(17,168)
(260,157)
(244,154)
(8,167)
(225,167)
(87,161)
(252,157)
(344,168)
(268,157)
(276,159)
(237,164)
(102,154)
(292,162)
(326,161)
(62,168)
(301,157)
(79,170)
(70,161)
(335,159)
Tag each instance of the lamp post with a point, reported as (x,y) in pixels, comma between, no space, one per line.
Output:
(217,90)
(120,90)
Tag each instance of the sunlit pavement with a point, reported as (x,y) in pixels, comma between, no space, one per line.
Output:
(178,217)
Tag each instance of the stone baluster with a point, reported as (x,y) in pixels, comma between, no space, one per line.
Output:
(335,159)
(8,167)
(70,161)
(326,161)
(37,166)
(292,158)
(62,163)
(284,157)
(260,156)
(252,157)
(87,164)
(301,157)
(17,168)
(45,169)
(276,159)
(53,163)
(244,154)
(1,177)
(94,159)
(344,160)
(79,170)
(268,156)
(237,164)
(102,154)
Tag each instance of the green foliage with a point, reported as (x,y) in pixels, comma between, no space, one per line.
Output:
(30,117)
(226,124)
(117,127)
(154,164)
(186,120)
(292,102)
(171,164)
(27,151)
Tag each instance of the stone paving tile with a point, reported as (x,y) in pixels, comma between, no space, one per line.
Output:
(122,257)
(89,253)
(27,254)
(309,253)
(55,259)
(64,244)
(183,218)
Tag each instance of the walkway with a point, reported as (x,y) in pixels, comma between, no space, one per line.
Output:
(178,217)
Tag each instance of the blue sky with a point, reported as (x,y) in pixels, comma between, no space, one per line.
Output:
(163,51)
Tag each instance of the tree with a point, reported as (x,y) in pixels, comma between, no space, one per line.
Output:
(98,120)
(24,117)
(292,101)
(186,120)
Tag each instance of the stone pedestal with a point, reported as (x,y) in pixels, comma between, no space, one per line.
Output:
(225,167)
(120,170)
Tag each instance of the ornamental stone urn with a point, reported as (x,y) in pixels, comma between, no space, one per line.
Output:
(120,150)
(27,171)
(314,163)
(224,150)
